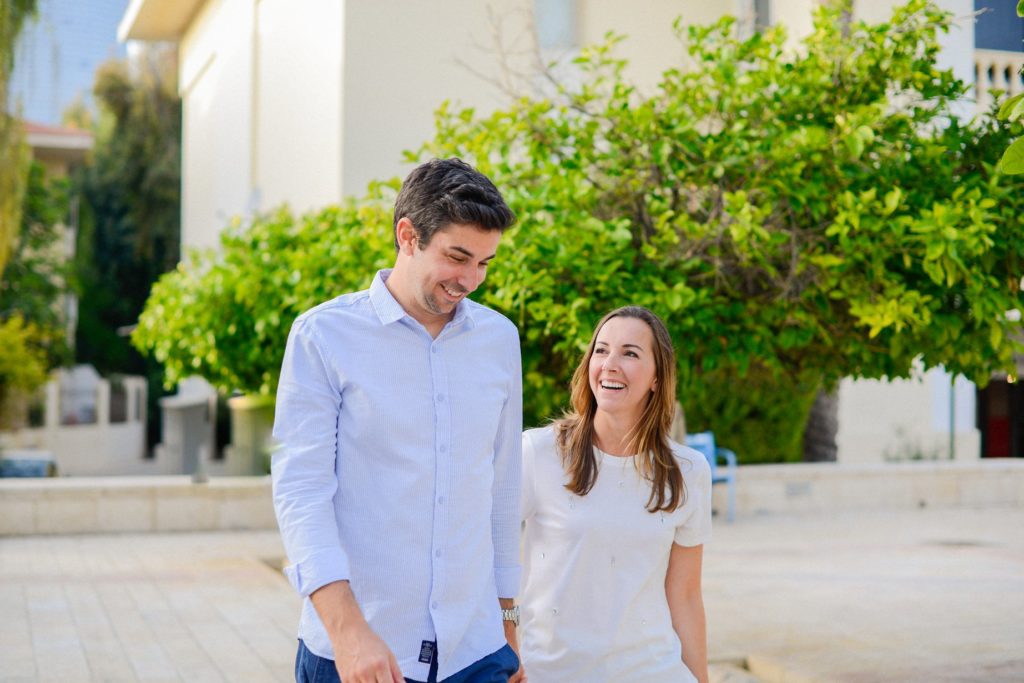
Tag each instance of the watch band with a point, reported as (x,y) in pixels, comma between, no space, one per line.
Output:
(511,614)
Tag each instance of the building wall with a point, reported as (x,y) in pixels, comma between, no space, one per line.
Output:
(215,81)
(402,60)
(907,419)
(650,45)
(297,103)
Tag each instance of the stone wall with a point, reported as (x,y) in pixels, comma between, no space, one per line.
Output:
(836,487)
(175,503)
(121,504)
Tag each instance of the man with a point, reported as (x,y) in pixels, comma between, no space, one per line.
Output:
(396,484)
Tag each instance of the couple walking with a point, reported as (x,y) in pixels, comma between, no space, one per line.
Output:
(403,482)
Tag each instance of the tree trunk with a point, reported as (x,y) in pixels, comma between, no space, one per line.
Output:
(822,425)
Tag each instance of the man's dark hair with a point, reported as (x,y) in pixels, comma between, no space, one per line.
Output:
(444,191)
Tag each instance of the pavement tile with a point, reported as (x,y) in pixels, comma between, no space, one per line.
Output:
(931,595)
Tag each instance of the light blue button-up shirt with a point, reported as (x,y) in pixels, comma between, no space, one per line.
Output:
(399,471)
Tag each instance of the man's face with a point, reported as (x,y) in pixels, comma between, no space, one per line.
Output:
(450,268)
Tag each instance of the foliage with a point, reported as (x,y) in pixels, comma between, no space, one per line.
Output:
(130,213)
(1012,109)
(14,154)
(225,315)
(22,363)
(37,272)
(795,218)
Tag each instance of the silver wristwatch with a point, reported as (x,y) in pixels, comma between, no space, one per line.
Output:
(511,614)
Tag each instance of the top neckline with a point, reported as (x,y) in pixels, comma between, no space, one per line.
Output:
(607,455)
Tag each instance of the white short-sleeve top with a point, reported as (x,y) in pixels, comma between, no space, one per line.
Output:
(593,591)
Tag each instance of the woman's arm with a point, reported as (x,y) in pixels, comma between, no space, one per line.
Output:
(686,604)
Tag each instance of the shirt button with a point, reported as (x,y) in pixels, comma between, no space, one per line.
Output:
(433,349)
(440,398)
(442,448)
(437,553)
(440,500)
(433,605)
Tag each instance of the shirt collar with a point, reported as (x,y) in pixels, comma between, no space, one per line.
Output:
(389,310)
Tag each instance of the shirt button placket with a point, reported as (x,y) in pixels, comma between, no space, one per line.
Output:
(442,439)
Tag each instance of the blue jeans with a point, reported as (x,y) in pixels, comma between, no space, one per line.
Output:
(494,668)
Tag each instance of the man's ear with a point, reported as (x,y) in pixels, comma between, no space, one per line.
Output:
(405,231)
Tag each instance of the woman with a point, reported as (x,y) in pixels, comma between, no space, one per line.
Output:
(615,517)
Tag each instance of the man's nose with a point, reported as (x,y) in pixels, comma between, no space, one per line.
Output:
(471,277)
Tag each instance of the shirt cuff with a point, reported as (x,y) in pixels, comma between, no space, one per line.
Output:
(506,580)
(316,572)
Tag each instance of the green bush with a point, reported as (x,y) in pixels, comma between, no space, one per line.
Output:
(23,365)
(795,217)
(224,315)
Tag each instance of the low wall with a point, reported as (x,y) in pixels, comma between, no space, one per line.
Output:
(121,504)
(832,487)
(175,503)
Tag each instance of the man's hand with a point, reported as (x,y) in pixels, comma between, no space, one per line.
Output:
(513,640)
(360,656)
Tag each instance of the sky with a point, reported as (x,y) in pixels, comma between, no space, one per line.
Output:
(58,53)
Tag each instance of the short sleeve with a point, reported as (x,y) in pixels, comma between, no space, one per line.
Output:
(529,494)
(695,527)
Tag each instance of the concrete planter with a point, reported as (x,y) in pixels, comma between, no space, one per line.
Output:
(252,420)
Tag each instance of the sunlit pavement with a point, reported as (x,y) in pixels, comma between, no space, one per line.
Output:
(929,595)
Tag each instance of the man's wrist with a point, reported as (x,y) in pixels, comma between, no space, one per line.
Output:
(510,614)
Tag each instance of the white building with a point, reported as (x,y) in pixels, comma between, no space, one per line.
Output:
(305,102)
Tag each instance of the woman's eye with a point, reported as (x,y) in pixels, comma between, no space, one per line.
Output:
(600,351)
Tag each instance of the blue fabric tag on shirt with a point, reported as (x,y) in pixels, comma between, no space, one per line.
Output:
(427,651)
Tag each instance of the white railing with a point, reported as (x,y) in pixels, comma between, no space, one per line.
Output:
(89,442)
(996,70)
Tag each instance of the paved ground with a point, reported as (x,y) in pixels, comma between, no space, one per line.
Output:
(911,596)
(914,596)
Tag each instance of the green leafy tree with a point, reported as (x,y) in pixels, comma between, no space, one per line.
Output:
(37,273)
(1011,110)
(225,315)
(23,364)
(14,155)
(796,217)
(130,213)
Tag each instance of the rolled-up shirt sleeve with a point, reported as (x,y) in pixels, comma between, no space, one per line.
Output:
(303,464)
(505,519)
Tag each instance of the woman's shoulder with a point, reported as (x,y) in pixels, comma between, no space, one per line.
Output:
(540,440)
(691,461)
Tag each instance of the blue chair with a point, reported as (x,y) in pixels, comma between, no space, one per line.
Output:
(705,443)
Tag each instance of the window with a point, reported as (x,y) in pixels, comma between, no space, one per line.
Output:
(556,24)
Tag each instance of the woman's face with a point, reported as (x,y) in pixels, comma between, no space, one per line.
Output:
(622,368)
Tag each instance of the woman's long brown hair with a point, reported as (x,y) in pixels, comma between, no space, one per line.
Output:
(648,438)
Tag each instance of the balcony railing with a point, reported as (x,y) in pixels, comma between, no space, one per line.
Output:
(996,70)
